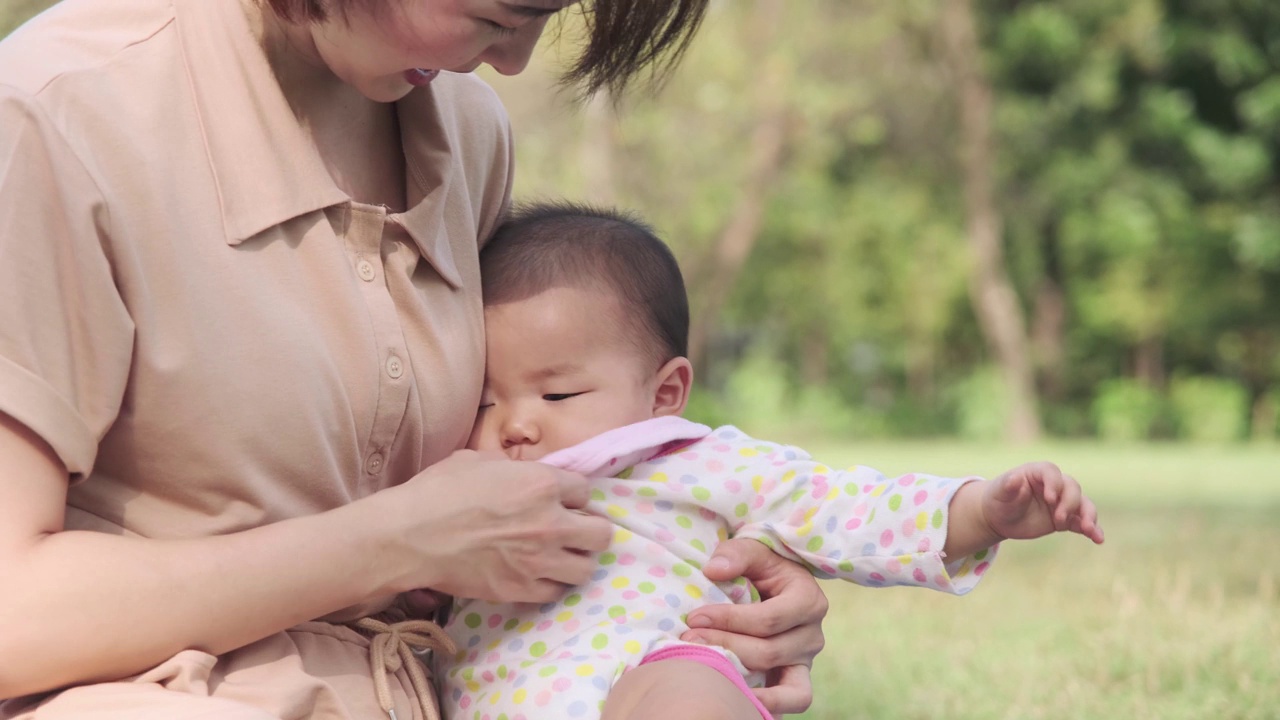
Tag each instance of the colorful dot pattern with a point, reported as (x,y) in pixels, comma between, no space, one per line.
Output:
(559,659)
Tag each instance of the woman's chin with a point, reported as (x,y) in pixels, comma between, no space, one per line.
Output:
(387,89)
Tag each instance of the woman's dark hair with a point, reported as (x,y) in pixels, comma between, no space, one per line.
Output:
(624,37)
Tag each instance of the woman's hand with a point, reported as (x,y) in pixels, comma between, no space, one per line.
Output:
(780,635)
(478,525)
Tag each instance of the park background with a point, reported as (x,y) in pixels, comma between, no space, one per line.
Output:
(956,235)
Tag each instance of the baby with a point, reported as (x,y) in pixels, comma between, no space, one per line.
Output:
(587,322)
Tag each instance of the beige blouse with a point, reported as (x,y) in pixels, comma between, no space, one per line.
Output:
(209,333)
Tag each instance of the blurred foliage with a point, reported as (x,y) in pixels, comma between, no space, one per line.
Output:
(1125,410)
(1209,409)
(1138,161)
(981,405)
(1138,150)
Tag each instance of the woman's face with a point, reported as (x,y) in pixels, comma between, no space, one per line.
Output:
(385,53)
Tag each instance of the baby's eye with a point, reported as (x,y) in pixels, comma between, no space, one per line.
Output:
(557,397)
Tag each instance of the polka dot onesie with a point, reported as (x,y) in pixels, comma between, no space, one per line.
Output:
(674,489)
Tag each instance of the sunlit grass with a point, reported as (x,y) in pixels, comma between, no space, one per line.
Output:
(1176,617)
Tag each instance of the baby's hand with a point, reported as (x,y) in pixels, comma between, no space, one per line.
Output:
(1037,499)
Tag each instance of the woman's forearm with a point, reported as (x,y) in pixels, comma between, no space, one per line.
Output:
(82,606)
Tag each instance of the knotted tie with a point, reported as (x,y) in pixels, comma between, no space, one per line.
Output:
(392,646)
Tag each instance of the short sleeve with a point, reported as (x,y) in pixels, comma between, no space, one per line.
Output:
(66,336)
(489,152)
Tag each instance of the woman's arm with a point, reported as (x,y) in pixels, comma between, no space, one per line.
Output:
(125,604)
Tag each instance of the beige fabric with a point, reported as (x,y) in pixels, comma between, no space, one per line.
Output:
(316,670)
(206,330)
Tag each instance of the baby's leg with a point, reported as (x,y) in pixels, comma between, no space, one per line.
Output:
(677,690)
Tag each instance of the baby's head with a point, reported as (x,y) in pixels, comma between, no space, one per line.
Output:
(587,326)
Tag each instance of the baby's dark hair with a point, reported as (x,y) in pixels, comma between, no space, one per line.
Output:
(545,245)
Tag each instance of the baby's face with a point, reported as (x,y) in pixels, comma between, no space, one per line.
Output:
(558,372)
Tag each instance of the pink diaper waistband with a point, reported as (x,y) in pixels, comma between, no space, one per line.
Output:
(712,659)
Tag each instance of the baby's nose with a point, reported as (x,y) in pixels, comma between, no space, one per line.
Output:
(519,431)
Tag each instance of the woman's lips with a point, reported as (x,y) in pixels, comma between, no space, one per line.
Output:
(419,77)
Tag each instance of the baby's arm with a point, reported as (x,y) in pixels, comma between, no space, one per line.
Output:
(856,525)
(917,529)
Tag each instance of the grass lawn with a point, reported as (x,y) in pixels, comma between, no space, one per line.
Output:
(1176,617)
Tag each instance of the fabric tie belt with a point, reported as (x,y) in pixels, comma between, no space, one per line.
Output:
(392,646)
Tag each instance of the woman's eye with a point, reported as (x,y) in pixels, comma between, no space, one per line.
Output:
(557,397)
(499,28)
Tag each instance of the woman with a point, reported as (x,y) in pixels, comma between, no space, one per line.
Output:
(240,341)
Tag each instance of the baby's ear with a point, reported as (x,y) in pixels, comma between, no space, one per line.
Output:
(673,383)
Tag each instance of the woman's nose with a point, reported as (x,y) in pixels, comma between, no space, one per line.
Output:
(511,56)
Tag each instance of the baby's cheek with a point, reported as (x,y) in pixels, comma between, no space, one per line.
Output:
(480,439)
(569,436)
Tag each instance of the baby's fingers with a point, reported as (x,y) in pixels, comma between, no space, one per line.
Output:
(1068,505)
(1045,480)
(1086,523)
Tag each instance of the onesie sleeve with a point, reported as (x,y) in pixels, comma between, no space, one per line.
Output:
(857,524)
(65,335)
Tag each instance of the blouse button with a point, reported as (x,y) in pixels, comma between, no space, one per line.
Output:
(366,271)
(374,464)
(395,368)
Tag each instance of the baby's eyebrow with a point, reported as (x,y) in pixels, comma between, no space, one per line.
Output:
(565,368)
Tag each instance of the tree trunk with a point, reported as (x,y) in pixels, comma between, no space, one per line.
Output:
(992,294)
(1048,331)
(1262,420)
(768,140)
(1148,362)
(1049,320)
(921,370)
(815,358)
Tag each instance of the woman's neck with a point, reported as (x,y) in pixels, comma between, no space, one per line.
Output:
(291,51)
(358,139)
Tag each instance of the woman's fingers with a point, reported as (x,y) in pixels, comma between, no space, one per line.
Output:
(586,533)
(782,631)
(479,525)
(790,691)
(574,490)
(570,568)
(792,596)
(797,646)
(795,610)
